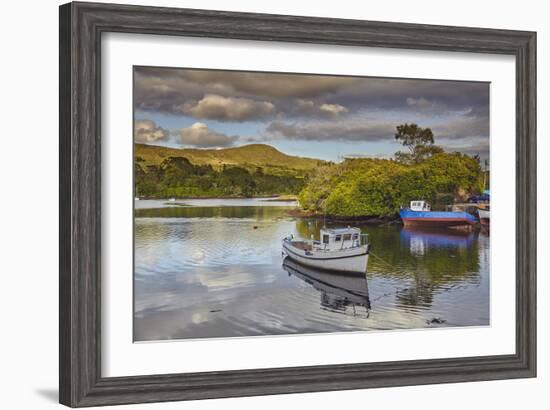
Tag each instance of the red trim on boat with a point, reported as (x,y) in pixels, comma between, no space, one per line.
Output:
(438,221)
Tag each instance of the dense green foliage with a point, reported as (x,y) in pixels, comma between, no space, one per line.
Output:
(178,177)
(378,187)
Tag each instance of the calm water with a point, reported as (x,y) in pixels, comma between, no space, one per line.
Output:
(213,268)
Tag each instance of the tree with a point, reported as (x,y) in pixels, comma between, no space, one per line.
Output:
(378,187)
(418,140)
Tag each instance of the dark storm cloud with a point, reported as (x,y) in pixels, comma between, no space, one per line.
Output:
(292,96)
(239,83)
(259,95)
(429,96)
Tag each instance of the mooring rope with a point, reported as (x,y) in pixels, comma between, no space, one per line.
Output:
(379,258)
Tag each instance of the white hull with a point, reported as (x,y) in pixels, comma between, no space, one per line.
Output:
(345,260)
(484,214)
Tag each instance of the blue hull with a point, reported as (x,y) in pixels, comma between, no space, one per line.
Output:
(436,218)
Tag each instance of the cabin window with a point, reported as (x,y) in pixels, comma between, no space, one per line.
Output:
(347,236)
(355,236)
(325,238)
(338,238)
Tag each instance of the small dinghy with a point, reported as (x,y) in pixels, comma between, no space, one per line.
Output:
(343,249)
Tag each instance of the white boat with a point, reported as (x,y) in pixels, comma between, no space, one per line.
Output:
(484,215)
(343,249)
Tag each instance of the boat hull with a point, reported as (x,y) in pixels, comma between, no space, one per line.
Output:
(437,219)
(352,260)
(484,216)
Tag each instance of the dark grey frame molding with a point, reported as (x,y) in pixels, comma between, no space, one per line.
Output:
(81,27)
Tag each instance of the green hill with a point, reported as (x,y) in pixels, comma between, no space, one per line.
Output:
(250,157)
(250,170)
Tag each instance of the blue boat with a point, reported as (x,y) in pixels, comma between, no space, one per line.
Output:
(420,214)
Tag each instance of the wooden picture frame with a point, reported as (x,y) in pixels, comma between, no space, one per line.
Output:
(81,28)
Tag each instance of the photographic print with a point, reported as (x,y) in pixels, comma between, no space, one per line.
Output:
(283,204)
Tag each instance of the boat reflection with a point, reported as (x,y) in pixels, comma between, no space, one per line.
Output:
(420,239)
(340,292)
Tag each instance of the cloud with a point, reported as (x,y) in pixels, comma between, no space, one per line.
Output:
(271,85)
(147,131)
(333,109)
(217,107)
(295,96)
(170,89)
(463,126)
(420,103)
(304,108)
(349,130)
(312,107)
(434,96)
(199,135)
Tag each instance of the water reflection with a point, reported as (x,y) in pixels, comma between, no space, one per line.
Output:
(217,271)
(420,239)
(174,211)
(431,261)
(340,293)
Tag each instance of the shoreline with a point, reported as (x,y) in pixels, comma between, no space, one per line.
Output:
(182,198)
(296,213)
(361,220)
(300,213)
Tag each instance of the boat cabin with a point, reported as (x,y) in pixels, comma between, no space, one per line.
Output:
(420,206)
(341,238)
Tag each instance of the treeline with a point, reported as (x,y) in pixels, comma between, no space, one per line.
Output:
(379,187)
(178,177)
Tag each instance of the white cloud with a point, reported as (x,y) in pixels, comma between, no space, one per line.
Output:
(333,109)
(217,107)
(147,131)
(199,135)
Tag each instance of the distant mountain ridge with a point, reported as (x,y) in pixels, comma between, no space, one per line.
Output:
(250,157)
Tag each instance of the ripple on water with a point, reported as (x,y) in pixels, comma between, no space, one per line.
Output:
(219,276)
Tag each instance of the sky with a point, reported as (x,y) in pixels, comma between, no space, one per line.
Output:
(318,116)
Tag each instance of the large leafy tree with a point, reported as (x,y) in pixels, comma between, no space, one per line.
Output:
(378,187)
(418,140)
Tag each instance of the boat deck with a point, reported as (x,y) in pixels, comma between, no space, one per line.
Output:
(305,246)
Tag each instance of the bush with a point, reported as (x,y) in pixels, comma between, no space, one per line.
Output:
(375,187)
(178,177)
